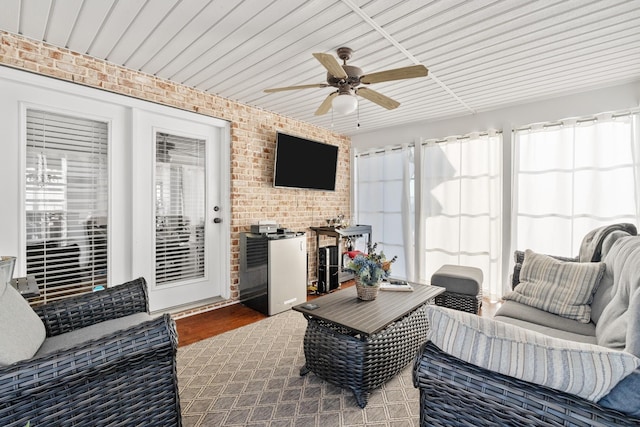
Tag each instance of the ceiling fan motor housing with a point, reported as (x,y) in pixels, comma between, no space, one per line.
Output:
(353,77)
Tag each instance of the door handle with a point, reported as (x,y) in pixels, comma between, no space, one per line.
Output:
(217,220)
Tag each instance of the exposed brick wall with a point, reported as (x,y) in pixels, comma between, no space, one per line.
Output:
(253,134)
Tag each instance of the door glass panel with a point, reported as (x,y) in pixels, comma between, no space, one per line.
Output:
(66,197)
(180,208)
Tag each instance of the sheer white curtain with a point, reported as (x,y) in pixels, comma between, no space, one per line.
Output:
(460,209)
(384,200)
(572,177)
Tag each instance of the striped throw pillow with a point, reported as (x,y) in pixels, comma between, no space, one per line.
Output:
(562,288)
(586,370)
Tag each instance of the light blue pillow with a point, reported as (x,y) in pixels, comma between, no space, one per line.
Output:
(625,396)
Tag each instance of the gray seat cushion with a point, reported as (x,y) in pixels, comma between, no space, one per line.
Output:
(458,279)
(79,336)
(536,316)
(546,330)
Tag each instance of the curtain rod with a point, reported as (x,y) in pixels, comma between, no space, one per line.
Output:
(430,141)
(593,118)
(461,137)
(384,150)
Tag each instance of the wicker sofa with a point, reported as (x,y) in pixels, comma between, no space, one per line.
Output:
(455,392)
(104,362)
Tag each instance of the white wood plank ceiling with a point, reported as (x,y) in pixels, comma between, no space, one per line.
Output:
(481,54)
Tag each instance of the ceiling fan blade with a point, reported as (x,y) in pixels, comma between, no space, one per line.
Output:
(378,98)
(280,89)
(326,104)
(331,64)
(395,74)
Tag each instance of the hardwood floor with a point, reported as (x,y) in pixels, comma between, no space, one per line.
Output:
(201,326)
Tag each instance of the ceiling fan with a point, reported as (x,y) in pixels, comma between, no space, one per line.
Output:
(347,78)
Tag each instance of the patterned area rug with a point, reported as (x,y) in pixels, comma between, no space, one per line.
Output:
(251,377)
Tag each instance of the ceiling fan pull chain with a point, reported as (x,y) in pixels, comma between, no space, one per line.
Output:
(358,114)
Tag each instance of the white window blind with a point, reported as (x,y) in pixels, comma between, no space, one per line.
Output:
(180,208)
(66,203)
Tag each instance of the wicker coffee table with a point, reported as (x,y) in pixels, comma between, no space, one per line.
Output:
(359,345)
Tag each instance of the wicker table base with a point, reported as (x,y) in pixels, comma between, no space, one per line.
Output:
(344,359)
(359,345)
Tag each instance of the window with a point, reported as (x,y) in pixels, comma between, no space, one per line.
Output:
(180,208)
(66,199)
(452,217)
(385,201)
(572,177)
(460,208)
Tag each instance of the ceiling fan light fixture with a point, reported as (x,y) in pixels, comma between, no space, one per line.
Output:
(345,103)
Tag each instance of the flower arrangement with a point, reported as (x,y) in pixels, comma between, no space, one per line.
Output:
(372,267)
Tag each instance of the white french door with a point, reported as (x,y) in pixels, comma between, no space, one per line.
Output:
(180,220)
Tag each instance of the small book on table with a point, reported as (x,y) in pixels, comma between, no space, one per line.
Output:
(396,285)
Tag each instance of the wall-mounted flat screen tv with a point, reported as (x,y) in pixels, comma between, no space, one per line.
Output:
(302,163)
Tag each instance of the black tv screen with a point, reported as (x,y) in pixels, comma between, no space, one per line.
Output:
(302,163)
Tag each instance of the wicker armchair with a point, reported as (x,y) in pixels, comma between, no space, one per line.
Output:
(456,393)
(126,378)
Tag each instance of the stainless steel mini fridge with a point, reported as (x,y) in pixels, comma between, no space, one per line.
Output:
(273,271)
